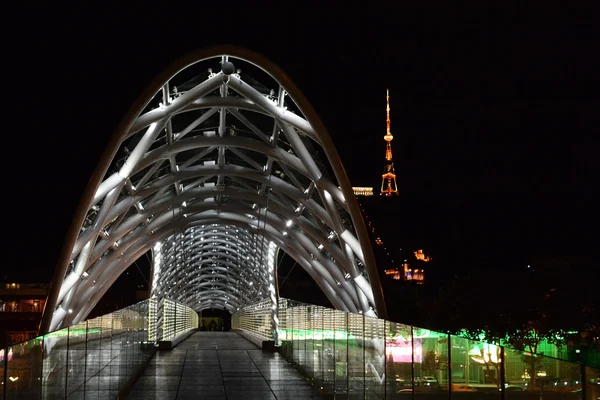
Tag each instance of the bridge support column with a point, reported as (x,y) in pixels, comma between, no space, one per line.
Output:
(160,313)
(273,292)
(275,322)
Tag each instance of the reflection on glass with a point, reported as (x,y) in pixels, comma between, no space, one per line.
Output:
(356,355)
(328,351)
(340,326)
(76,357)
(317,345)
(398,353)
(24,367)
(430,362)
(94,358)
(54,371)
(374,343)
(309,365)
(592,380)
(536,373)
(476,367)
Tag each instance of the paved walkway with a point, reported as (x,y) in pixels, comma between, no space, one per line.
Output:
(221,365)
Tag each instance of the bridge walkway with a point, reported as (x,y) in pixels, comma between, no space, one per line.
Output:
(221,365)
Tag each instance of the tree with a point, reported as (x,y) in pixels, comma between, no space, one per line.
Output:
(528,341)
(488,355)
(432,363)
(390,374)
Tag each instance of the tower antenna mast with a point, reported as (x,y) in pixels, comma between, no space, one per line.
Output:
(388,179)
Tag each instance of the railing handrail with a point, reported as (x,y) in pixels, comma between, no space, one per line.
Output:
(504,346)
(48,357)
(90,319)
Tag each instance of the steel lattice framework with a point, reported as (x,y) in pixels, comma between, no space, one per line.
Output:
(221,162)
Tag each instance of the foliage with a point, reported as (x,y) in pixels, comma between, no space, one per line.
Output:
(528,340)
(433,362)
(519,310)
(401,330)
(533,364)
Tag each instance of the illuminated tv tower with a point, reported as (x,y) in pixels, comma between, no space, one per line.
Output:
(388,181)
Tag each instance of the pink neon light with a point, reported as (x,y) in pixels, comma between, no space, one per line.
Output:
(401,351)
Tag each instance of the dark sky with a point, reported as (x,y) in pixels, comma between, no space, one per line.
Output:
(495,112)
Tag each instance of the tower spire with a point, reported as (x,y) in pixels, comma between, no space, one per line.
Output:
(388,180)
(388,135)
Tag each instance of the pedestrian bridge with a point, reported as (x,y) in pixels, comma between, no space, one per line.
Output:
(320,353)
(219,165)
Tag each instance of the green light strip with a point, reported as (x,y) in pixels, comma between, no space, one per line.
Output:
(72,332)
(329,334)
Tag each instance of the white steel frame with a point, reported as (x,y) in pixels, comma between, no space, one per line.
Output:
(212,179)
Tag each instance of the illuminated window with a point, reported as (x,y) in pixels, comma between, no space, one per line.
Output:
(393,273)
(363,191)
(417,275)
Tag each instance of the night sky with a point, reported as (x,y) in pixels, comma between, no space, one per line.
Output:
(495,115)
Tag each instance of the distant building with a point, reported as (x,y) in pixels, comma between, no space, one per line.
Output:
(419,255)
(414,274)
(362,191)
(393,273)
(21,307)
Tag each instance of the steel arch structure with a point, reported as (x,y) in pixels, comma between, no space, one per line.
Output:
(219,163)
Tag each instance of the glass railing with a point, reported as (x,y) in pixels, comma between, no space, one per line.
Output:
(97,358)
(364,357)
(168,319)
(255,319)
(592,386)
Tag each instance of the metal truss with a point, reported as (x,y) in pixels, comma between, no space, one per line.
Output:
(220,162)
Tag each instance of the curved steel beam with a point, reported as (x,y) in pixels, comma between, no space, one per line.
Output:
(219,153)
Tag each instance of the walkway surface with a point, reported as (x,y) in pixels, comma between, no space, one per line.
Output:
(221,365)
